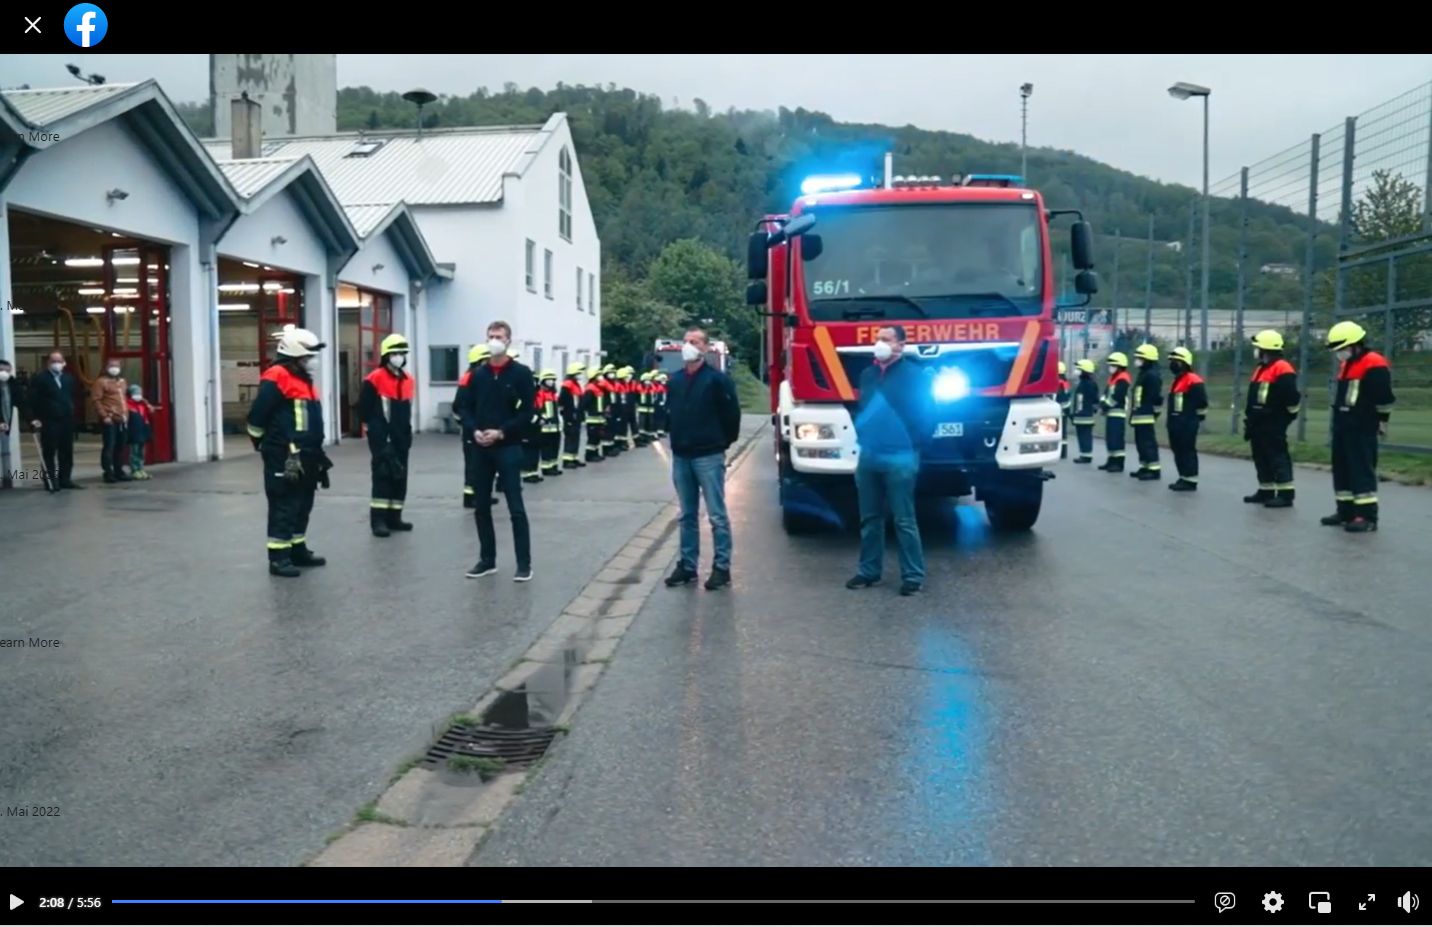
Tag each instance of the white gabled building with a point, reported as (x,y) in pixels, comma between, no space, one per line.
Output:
(506,216)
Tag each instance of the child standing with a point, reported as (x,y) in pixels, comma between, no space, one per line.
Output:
(140,416)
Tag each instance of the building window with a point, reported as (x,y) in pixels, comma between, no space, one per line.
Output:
(579,289)
(531,266)
(536,360)
(547,273)
(591,293)
(444,363)
(564,194)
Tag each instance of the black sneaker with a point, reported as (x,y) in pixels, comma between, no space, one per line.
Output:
(718,578)
(861,582)
(909,588)
(523,575)
(681,576)
(481,569)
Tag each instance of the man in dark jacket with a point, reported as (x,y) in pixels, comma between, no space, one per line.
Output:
(705,421)
(11,404)
(890,425)
(495,409)
(52,414)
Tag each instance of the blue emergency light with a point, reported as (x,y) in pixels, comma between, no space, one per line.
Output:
(993,180)
(825,183)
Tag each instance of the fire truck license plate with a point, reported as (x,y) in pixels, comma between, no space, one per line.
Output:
(950,430)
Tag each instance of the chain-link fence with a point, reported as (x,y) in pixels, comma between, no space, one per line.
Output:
(1338,226)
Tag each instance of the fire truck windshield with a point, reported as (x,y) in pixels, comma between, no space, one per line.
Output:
(944,260)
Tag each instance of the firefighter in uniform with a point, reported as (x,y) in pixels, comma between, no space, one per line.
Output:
(1144,408)
(532,440)
(1086,408)
(1063,398)
(659,413)
(551,444)
(569,406)
(285,424)
(612,404)
(1362,407)
(626,394)
(644,409)
(385,406)
(1187,404)
(1116,410)
(477,355)
(594,415)
(1273,403)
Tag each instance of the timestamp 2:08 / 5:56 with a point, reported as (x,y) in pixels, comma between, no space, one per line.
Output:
(71,902)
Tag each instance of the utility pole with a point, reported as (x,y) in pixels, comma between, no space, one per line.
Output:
(1025,92)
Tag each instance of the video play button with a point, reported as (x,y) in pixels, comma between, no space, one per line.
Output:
(15,902)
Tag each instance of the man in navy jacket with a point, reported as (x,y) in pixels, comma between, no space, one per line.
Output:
(52,414)
(704,420)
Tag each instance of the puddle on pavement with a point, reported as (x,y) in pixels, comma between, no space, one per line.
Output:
(542,696)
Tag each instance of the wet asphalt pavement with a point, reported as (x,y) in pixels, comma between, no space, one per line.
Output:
(1147,678)
(200,712)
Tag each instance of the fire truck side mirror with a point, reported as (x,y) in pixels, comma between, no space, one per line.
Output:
(1086,283)
(757,256)
(811,247)
(756,293)
(1082,245)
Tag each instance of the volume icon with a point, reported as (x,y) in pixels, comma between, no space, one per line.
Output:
(1408,902)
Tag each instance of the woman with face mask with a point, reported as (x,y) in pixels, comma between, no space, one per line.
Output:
(286,426)
(385,406)
(107,399)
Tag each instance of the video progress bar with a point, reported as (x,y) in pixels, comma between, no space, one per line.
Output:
(921,901)
(340,901)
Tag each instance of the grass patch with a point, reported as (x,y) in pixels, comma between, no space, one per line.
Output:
(466,720)
(484,766)
(406,767)
(562,728)
(369,814)
(755,397)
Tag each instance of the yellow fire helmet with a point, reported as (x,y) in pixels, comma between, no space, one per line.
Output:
(547,375)
(1063,368)
(394,344)
(514,354)
(593,372)
(1268,340)
(1183,354)
(610,368)
(1085,365)
(576,369)
(1146,352)
(1118,359)
(661,377)
(625,373)
(478,352)
(1345,335)
(646,377)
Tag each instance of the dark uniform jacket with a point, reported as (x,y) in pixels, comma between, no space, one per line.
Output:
(385,406)
(1273,398)
(1086,400)
(1187,399)
(1364,394)
(1147,398)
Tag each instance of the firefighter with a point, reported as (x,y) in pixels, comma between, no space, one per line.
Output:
(1362,408)
(551,421)
(477,355)
(285,424)
(385,406)
(612,404)
(1086,407)
(1187,404)
(661,414)
(626,393)
(1116,410)
(645,395)
(1144,415)
(569,406)
(1273,403)
(594,415)
(1064,399)
(532,439)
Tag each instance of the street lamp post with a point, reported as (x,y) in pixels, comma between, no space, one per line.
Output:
(1182,91)
(1025,92)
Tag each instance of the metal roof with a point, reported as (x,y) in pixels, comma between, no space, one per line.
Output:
(42,107)
(366,218)
(249,177)
(444,167)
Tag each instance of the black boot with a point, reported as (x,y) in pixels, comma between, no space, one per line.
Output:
(1083,460)
(1146,476)
(280,564)
(1341,517)
(1259,497)
(469,500)
(395,521)
(1183,485)
(1282,499)
(681,576)
(1361,525)
(302,556)
(378,522)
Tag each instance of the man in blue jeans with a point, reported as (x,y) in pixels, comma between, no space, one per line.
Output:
(890,428)
(704,420)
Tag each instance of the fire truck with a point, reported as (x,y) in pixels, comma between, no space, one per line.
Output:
(667,357)
(965,266)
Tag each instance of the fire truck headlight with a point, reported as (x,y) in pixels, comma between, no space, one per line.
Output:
(810,431)
(1041,426)
(951,385)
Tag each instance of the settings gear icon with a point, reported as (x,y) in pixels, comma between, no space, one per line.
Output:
(1272,902)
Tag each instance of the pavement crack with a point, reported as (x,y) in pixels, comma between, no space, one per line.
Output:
(911,667)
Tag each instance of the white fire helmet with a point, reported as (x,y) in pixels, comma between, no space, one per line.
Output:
(298,342)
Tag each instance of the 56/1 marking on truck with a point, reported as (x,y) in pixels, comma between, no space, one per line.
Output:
(950,430)
(830,287)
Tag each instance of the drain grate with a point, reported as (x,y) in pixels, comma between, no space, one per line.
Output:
(514,746)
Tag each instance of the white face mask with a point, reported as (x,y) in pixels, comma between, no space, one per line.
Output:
(497,346)
(112,371)
(1344,354)
(310,364)
(883,351)
(4,375)
(57,367)
(1113,370)
(690,353)
(399,361)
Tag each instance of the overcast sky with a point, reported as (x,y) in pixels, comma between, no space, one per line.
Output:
(1111,107)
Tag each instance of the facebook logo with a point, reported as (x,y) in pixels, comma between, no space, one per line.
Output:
(86,24)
